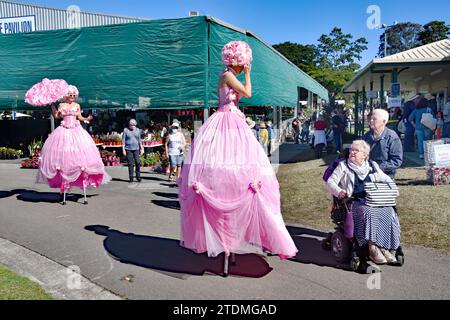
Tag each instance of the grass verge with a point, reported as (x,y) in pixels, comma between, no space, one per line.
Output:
(15,287)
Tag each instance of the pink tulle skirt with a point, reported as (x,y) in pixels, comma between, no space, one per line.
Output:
(70,158)
(229,193)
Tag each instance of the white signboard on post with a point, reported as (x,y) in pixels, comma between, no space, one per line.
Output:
(394,102)
(17,25)
(372,94)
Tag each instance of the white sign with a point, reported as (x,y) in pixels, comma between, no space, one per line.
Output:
(372,94)
(17,25)
(442,154)
(394,102)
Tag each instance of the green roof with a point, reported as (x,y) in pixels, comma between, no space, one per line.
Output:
(156,64)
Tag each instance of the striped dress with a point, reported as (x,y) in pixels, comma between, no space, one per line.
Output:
(379,225)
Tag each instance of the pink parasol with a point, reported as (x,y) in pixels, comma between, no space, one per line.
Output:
(46,92)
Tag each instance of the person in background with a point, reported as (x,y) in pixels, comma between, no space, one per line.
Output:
(385,145)
(446,112)
(175,148)
(431,102)
(408,108)
(271,144)
(439,125)
(264,137)
(251,124)
(296,129)
(338,126)
(305,130)
(132,148)
(320,138)
(423,133)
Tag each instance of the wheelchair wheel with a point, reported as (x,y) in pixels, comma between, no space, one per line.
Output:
(326,243)
(399,255)
(355,263)
(340,246)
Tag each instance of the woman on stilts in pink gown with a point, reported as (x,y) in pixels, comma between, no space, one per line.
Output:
(69,157)
(229,193)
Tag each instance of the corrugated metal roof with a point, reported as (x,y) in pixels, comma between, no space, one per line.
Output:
(436,51)
(53,19)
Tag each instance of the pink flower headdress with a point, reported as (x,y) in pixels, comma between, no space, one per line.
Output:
(236,53)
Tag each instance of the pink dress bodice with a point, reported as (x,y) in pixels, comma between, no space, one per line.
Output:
(228,99)
(69,115)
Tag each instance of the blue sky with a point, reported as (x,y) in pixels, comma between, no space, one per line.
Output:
(298,21)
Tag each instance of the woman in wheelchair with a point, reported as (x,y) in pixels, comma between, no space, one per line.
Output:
(377,227)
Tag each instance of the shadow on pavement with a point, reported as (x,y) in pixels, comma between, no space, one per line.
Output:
(167,204)
(170,185)
(168,256)
(166,195)
(310,251)
(6,194)
(35,196)
(119,180)
(153,178)
(408,182)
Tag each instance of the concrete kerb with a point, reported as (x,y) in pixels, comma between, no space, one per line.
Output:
(63,283)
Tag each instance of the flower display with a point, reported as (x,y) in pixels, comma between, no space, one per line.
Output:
(236,53)
(110,158)
(46,92)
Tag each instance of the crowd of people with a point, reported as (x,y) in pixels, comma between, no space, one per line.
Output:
(264,134)
(416,108)
(324,132)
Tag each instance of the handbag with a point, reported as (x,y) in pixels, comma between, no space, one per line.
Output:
(401,127)
(381,194)
(428,120)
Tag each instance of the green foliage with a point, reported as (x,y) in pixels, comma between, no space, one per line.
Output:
(334,78)
(338,50)
(434,31)
(403,36)
(332,62)
(303,56)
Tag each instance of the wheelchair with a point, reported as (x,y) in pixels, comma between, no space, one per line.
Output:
(346,250)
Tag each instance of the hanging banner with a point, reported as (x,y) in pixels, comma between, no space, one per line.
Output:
(17,25)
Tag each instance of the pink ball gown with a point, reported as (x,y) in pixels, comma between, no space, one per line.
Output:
(229,193)
(69,157)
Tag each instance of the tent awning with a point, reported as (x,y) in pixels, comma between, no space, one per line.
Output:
(156,64)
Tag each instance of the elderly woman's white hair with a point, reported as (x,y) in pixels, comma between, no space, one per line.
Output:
(383,114)
(361,143)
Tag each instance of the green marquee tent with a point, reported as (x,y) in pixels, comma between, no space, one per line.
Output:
(156,64)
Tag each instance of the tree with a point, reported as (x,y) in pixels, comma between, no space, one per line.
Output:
(337,49)
(434,31)
(400,37)
(332,62)
(303,56)
(338,54)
